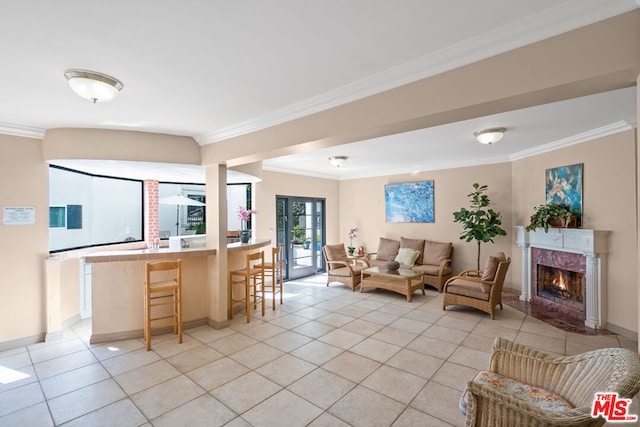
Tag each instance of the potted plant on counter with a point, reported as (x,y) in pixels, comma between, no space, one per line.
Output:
(245,215)
(550,215)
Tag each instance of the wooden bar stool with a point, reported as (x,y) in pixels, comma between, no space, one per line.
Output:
(252,277)
(273,269)
(163,287)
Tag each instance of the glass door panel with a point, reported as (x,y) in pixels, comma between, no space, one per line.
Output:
(300,232)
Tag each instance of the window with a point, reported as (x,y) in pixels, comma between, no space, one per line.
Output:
(89,210)
(57,216)
(186,217)
(237,195)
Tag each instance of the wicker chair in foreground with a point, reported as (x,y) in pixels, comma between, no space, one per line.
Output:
(339,269)
(526,387)
(481,289)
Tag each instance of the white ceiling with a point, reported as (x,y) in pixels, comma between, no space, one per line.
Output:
(212,69)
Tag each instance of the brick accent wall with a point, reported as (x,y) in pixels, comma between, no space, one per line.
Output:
(151,232)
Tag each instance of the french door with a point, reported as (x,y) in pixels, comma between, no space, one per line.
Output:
(301,234)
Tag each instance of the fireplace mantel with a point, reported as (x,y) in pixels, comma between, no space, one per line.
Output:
(593,244)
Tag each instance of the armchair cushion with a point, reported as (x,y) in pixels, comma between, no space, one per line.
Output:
(434,252)
(491,266)
(346,271)
(407,256)
(387,249)
(336,253)
(417,244)
(468,288)
(535,396)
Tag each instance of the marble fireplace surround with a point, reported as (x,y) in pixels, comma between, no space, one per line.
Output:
(592,244)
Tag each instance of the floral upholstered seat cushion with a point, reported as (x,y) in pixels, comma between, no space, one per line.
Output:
(533,395)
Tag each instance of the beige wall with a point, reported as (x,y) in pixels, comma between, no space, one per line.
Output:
(108,144)
(23,248)
(279,184)
(362,205)
(609,203)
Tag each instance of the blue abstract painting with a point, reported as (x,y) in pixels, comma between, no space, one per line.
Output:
(409,202)
(564,186)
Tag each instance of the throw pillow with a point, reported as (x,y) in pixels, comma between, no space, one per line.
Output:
(490,268)
(416,244)
(434,252)
(387,249)
(407,256)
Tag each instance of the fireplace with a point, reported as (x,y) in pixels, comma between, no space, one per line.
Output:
(561,286)
(576,256)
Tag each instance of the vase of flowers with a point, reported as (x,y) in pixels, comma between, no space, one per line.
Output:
(353,233)
(244,215)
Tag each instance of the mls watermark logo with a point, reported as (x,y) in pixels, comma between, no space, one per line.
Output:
(612,408)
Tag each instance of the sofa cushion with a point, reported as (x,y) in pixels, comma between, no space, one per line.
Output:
(377,262)
(541,398)
(431,270)
(417,244)
(467,288)
(434,252)
(387,249)
(407,256)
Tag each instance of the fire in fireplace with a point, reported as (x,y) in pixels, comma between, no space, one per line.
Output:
(561,286)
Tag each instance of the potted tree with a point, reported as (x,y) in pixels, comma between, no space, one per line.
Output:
(550,215)
(480,223)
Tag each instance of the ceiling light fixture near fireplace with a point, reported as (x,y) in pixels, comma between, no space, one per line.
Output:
(338,161)
(96,87)
(490,136)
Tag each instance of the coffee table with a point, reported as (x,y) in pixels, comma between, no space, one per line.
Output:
(402,281)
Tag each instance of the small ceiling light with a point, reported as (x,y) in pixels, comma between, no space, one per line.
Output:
(490,136)
(96,87)
(338,161)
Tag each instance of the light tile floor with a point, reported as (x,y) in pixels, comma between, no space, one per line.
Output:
(326,357)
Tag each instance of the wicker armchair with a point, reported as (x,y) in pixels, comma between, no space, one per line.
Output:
(468,288)
(339,267)
(575,379)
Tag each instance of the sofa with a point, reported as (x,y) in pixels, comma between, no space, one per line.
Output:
(428,257)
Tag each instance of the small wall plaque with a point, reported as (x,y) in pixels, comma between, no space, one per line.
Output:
(18,216)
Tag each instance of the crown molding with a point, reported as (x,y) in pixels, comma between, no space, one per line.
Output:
(560,19)
(600,132)
(23,131)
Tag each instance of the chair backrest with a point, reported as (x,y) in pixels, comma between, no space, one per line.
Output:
(334,253)
(498,281)
(163,266)
(255,259)
(276,255)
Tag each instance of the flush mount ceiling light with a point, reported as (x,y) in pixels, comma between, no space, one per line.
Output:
(96,87)
(338,161)
(490,136)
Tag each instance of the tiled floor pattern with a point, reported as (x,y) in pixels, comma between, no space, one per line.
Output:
(326,357)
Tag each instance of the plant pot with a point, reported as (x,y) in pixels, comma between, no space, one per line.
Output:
(245,235)
(558,222)
(306,245)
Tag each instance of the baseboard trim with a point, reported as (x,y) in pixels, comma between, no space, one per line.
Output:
(619,330)
(70,321)
(139,333)
(22,342)
(218,325)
